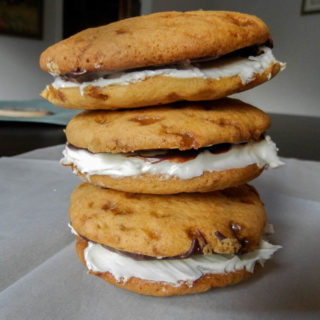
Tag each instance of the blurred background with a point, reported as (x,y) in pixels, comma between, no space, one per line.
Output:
(294,25)
(296,39)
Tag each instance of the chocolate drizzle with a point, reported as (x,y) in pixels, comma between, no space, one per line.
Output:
(174,155)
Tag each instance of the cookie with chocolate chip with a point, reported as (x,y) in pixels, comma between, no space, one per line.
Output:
(170,226)
(182,126)
(182,147)
(158,59)
(169,245)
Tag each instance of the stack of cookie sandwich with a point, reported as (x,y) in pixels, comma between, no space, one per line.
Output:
(165,156)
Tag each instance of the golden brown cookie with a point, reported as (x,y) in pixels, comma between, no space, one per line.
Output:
(168,40)
(155,39)
(228,221)
(205,283)
(161,184)
(183,126)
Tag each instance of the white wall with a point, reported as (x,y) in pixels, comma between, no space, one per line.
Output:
(146,6)
(20,74)
(296,41)
(296,90)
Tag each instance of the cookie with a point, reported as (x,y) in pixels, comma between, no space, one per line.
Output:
(220,142)
(198,55)
(165,184)
(169,245)
(183,126)
(155,39)
(229,221)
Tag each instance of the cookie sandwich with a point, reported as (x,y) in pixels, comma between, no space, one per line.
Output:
(166,245)
(159,59)
(181,147)
(165,156)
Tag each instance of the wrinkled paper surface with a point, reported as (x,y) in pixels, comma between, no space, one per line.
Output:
(42,278)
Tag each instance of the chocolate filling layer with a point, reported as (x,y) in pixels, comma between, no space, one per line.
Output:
(81,76)
(173,155)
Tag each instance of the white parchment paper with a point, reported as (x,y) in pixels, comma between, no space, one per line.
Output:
(41,277)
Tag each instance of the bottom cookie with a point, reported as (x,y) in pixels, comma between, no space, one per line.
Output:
(206,280)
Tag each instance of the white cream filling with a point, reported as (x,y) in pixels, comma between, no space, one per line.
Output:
(100,259)
(244,67)
(73,231)
(262,153)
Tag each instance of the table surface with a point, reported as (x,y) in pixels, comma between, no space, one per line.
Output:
(41,277)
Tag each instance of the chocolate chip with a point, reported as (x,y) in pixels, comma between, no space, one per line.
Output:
(146,120)
(219,235)
(235,227)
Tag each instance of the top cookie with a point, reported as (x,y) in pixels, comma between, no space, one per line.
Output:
(160,38)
